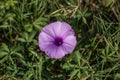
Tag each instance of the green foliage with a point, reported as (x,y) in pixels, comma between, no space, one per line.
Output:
(97,27)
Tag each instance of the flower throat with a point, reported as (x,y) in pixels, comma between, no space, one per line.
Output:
(58,41)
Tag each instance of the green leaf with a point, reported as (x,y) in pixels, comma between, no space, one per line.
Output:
(40,22)
(32,35)
(109,2)
(21,39)
(76,57)
(4,26)
(5,47)
(34,53)
(117,76)
(28,27)
(68,66)
(19,55)
(73,73)
(26,36)
(84,20)
(2,54)
(3,59)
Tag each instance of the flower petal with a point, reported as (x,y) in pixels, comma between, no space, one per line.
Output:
(69,43)
(48,30)
(56,27)
(44,45)
(59,53)
(43,37)
(44,40)
(66,29)
(55,52)
(61,29)
(68,48)
(50,50)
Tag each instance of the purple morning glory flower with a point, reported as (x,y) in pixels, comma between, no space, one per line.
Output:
(57,39)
